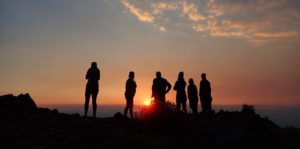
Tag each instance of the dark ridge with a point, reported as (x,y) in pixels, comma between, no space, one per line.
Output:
(24,125)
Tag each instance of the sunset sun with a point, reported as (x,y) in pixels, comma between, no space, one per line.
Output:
(147,102)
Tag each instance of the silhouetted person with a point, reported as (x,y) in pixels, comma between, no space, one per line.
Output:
(205,94)
(129,94)
(160,88)
(92,88)
(193,96)
(180,94)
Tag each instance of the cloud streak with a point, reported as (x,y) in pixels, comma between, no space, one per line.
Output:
(141,14)
(192,11)
(159,7)
(162,29)
(257,21)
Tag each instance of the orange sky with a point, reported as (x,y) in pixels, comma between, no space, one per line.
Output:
(249,50)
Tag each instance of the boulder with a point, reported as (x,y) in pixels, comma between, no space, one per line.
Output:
(22,104)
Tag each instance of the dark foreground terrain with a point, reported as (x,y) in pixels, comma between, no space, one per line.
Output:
(24,125)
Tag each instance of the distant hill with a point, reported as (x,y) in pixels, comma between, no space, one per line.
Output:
(24,125)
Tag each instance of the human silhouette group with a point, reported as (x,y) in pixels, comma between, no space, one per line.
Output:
(160,88)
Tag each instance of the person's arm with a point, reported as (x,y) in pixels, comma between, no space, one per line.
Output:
(208,88)
(196,90)
(134,84)
(169,86)
(190,91)
(175,86)
(98,76)
(200,89)
(153,88)
(87,76)
(127,86)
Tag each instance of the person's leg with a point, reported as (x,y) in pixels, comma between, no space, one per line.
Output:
(163,99)
(190,104)
(196,106)
(126,108)
(209,106)
(202,105)
(94,96)
(178,105)
(131,112)
(184,106)
(192,107)
(126,111)
(161,103)
(86,104)
(131,108)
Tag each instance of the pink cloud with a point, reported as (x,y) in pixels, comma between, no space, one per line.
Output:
(259,21)
(141,14)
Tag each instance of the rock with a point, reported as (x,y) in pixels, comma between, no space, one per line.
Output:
(22,104)
(26,101)
(55,111)
(120,116)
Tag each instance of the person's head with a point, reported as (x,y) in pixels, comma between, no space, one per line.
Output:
(180,75)
(191,81)
(158,74)
(203,76)
(131,74)
(94,65)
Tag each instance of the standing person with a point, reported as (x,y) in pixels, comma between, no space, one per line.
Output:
(205,94)
(193,96)
(129,94)
(181,94)
(160,88)
(92,88)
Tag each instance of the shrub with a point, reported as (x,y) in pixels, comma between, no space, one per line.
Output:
(248,109)
(157,109)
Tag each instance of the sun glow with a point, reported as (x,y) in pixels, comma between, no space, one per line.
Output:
(147,102)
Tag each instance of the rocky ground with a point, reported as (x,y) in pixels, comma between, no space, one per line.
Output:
(24,125)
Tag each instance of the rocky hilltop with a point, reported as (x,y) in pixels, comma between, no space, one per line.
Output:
(25,125)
